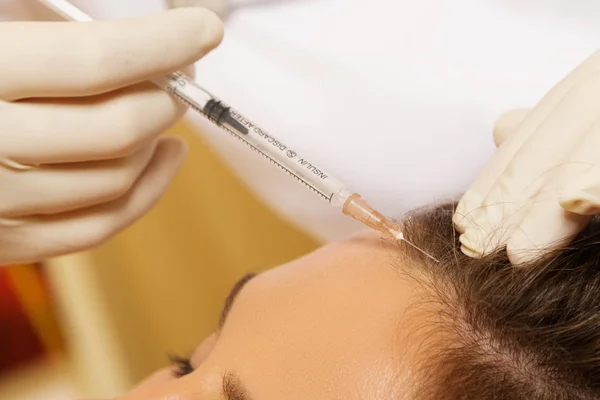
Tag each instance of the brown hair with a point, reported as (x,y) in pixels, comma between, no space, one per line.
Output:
(528,332)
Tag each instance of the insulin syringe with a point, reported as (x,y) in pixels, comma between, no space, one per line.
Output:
(322,183)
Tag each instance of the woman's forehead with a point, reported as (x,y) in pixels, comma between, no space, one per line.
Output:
(329,321)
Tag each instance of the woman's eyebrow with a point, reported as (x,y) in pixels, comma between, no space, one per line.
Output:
(235,290)
(233,388)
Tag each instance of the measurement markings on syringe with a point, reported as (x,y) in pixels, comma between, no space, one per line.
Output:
(301,179)
(278,145)
(268,138)
(327,197)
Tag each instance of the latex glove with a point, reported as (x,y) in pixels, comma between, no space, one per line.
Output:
(543,184)
(76,102)
(219,7)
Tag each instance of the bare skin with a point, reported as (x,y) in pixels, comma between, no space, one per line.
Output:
(335,324)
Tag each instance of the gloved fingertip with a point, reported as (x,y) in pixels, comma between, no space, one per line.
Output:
(203,28)
(484,240)
(213,27)
(518,259)
(507,125)
(181,144)
(580,202)
(460,223)
(520,247)
(176,146)
(537,238)
(519,254)
(470,252)
(461,213)
(469,247)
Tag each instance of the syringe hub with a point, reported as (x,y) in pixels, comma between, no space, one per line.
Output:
(361,211)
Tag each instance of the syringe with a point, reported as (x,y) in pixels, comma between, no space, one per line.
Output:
(315,178)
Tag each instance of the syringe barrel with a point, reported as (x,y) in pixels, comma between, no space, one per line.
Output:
(184,88)
(289,160)
(285,157)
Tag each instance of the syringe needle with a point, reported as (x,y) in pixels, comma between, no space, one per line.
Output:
(361,211)
(400,236)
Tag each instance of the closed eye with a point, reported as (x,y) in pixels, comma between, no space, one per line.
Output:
(182,366)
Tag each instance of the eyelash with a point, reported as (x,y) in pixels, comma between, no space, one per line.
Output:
(182,366)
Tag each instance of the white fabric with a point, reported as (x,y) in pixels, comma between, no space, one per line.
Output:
(397,98)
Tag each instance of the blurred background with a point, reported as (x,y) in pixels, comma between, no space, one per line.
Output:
(93,324)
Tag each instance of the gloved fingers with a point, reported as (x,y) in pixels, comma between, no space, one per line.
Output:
(545,224)
(507,125)
(487,176)
(58,188)
(66,59)
(531,227)
(531,167)
(53,235)
(108,126)
(582,195)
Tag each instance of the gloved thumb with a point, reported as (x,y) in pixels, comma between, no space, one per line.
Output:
(507,124)
(582,196)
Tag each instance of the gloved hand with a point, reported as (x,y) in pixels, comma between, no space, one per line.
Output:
(543,183)
(79,154)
